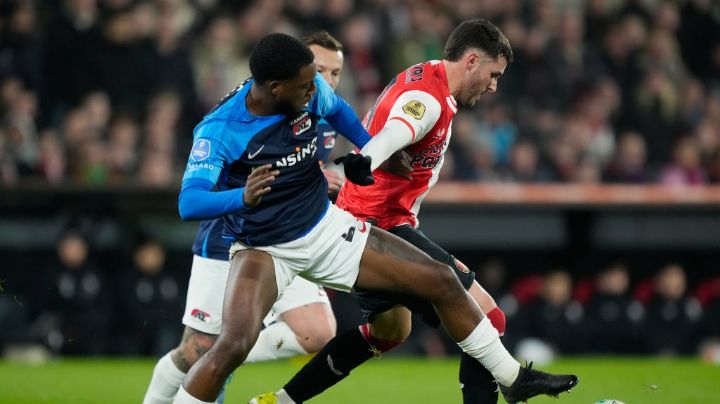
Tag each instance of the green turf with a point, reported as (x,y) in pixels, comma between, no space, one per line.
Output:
(389,380)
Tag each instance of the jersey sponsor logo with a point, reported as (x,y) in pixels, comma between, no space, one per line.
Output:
(301,124)
(414,73)
(423,161)
(200,315)
(300,154)
(200,166)
(200,150)
(252,155)
(363,227)
(415,109)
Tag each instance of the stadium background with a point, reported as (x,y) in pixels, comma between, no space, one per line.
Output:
(584,193)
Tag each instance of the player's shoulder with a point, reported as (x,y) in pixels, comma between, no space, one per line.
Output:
(425,76)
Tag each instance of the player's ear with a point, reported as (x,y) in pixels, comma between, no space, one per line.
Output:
(274,87)
(472,60)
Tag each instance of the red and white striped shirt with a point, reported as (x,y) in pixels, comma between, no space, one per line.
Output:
(419,100)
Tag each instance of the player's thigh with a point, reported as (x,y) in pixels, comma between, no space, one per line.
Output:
(392,325)
(250,293)
(392,264)
(420,240)
(482,297)
(204,303)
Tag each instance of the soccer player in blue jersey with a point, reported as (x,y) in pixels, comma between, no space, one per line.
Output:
(300,322)
(254,161)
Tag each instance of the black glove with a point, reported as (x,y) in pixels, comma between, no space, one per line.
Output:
(357,168)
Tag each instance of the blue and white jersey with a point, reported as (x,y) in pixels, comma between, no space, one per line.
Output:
(326,140)
(230,141)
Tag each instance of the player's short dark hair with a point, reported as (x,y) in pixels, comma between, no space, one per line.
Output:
(323,39)
(278,57)
(477,33)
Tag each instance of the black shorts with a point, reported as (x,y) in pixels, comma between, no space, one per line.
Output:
(373,302)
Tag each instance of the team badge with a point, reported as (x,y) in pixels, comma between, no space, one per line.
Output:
(301,124)
(415,109)
(200,150)
(329,139)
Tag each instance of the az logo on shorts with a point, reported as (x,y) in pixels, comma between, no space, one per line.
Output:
(200,315)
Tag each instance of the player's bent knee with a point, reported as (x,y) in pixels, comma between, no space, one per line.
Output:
(317,339)
(193,345)
(393,325)
(445,281)
(233,350)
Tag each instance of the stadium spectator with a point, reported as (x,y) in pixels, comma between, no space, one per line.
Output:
(671,318)
(554,318)
(629,163)
(685,168)
(151,301)
(79,299)
(612,319)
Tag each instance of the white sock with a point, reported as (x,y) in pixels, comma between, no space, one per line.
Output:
(275,342)
(165,382)
(283,397)
(183,397)
(484,345)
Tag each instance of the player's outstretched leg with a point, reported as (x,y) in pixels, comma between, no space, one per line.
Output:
(415,273)
(250,293)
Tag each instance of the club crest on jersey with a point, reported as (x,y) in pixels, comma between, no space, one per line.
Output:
(301,124)
(200,150)
(415,109)
(329,139)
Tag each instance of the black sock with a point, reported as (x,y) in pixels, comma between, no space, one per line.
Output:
(478,385)
(333,363)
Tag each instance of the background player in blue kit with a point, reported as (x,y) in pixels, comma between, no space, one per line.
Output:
(300,322)
(258,150)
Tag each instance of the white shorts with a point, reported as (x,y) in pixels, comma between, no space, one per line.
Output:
(328,255)
(206,291)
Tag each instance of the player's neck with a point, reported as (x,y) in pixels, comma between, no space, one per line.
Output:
(453,71)
(258,103)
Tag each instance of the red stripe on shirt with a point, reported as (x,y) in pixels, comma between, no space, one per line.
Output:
(412,130)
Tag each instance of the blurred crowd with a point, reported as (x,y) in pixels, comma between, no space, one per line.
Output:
(78,300)
(107,91)
(611,311)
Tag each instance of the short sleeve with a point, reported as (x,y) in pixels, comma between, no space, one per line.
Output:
(418,110)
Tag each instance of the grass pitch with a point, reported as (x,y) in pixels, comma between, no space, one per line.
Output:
(389,380)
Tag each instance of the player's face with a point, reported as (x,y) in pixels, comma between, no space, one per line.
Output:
(329,64)
(292,95)
(481,76)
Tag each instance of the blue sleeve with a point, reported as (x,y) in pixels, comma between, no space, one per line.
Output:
(338,113)
(209,155)
(197,201)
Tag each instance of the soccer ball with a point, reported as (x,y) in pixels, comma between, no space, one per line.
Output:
(609,402)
